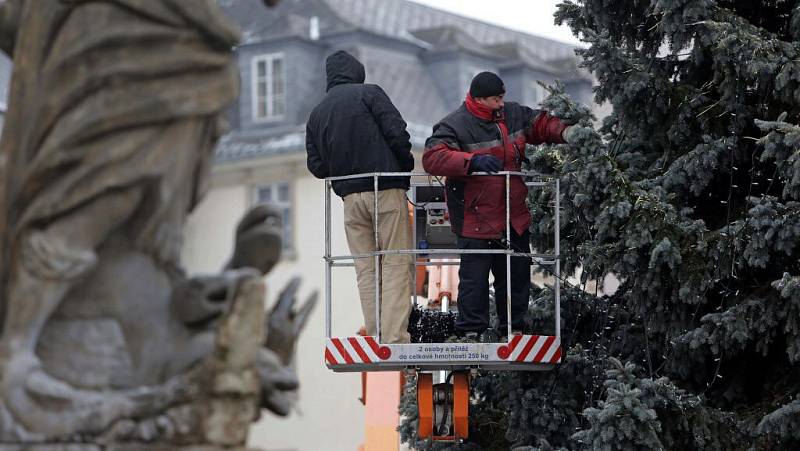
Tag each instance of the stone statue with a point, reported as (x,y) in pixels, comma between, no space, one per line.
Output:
(114,110)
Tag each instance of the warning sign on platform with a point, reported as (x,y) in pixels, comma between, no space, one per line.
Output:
(360,352)
(457,352)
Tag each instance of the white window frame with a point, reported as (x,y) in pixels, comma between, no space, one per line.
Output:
(269,101)
(288,234)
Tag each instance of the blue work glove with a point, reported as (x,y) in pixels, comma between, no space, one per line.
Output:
(485,163)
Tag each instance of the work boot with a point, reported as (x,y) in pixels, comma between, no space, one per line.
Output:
(489,336)
(464,337)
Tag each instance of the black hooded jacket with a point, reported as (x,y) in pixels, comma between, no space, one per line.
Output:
(356,129)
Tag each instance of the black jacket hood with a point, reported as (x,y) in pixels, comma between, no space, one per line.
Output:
(342,67)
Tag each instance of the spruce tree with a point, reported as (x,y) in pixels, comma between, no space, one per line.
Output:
(689,193)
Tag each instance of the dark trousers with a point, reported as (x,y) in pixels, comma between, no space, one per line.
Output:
(473,286)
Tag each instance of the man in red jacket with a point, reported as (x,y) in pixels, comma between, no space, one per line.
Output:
(487,134)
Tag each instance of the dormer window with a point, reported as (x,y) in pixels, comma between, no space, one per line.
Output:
(269,87)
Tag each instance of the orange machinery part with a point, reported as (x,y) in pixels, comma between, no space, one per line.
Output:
(461,404)
(425,404)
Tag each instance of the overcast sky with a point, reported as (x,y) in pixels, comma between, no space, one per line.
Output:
(530,16)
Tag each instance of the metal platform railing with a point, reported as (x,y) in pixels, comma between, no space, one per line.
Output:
(531,179)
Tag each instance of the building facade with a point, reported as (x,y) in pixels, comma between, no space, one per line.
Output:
(424,59)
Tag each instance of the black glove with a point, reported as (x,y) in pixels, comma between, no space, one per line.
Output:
(485,163)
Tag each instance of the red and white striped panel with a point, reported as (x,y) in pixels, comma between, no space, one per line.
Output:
(532,349)
(358,349)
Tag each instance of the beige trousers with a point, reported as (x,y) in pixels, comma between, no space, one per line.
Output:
(394,232)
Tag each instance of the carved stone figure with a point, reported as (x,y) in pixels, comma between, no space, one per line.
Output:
(114,110)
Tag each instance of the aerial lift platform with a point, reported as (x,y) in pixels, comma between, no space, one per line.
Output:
(443,407)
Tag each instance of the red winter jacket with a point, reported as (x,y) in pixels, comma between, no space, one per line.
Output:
(477,204)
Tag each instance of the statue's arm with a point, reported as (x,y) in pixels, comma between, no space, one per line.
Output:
(9,24)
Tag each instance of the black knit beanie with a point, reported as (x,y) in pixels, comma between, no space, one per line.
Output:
(486,84)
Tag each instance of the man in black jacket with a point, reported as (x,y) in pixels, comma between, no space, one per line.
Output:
(354,130)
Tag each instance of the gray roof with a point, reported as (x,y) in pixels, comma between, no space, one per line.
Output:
(411,89)
(393,18)
(259,23)
(450,37)
(519,54)
(408,82)
(398,18)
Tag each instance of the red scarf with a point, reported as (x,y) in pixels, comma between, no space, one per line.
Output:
(482,111)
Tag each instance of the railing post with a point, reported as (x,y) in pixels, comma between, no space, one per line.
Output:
(557,248)
(508,256)
(328,261)
(413,219)
(377,259)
